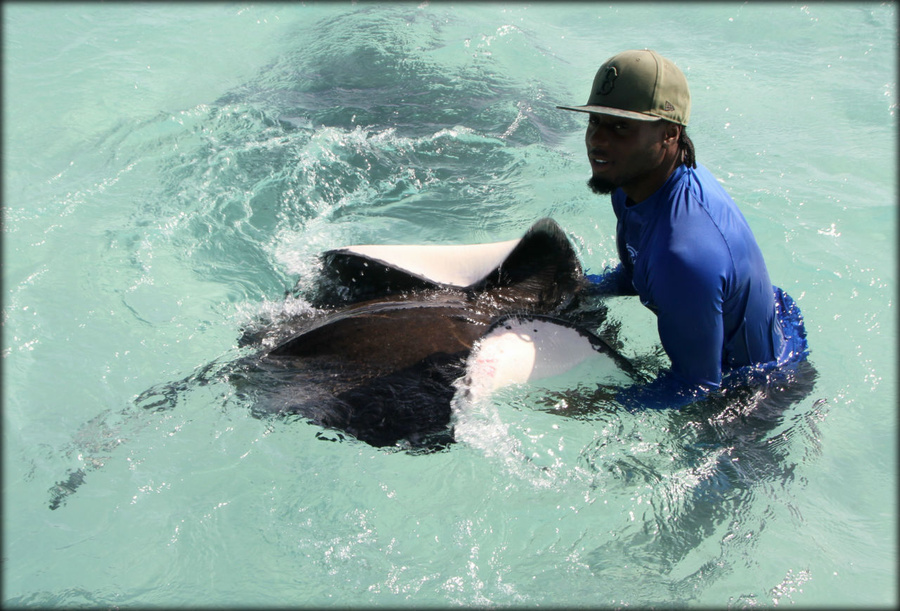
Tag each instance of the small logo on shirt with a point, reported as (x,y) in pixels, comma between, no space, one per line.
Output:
(632,252)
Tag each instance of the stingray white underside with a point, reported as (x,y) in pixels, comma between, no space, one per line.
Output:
(522,351)
(453,265)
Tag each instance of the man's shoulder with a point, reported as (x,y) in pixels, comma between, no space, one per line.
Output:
(705,183)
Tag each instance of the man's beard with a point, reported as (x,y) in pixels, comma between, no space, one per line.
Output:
(600,186)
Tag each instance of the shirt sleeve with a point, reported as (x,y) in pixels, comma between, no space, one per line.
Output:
(611,283)
(688,304)
(666,391)
(688,294)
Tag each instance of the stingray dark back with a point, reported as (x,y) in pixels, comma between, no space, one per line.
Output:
(383,359)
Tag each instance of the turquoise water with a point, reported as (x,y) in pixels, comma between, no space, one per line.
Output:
(170,171)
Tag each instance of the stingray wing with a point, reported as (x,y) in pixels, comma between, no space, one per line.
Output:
(538,271)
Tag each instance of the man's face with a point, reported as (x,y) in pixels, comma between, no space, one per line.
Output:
(625,153)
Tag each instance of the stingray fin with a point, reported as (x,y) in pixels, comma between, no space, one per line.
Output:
(540,262)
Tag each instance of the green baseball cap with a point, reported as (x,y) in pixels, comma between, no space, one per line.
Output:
(641,85)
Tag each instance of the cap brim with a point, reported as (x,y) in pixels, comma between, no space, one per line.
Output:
(615,112)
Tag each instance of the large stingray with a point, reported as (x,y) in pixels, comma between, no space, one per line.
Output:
(396,342)
(396,332)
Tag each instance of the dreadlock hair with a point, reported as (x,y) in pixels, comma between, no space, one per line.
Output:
(688,157)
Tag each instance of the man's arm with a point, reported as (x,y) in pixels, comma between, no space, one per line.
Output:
(611,283)
(687,299)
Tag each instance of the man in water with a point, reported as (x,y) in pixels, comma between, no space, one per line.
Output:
(684,247)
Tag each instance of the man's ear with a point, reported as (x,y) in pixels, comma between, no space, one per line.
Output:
(671,133)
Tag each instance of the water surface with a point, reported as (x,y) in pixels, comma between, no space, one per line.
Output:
(171,171)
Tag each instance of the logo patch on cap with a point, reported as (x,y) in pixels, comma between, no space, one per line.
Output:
(609,81)
(668,107)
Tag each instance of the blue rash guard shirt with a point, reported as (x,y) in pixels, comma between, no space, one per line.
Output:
(690,256)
